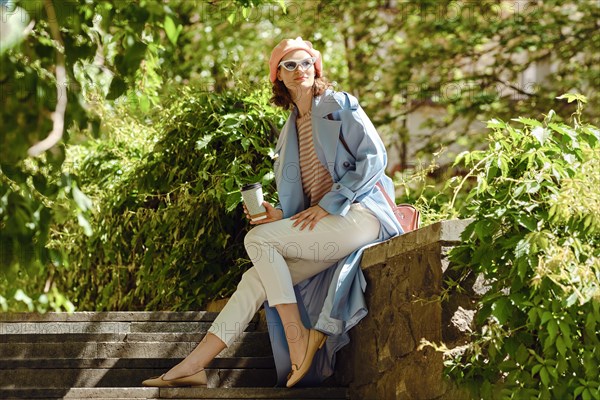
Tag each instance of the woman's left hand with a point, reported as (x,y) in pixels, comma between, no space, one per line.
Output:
(310,217)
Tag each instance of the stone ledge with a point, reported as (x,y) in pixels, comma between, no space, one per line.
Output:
(443,232)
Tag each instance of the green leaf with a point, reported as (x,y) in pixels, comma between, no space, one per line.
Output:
(527,221)
(232,201)
(171,30)
(503,164)
(507,365)
(572,299)
(590,322)
(282,5)
(564,328)
(85,224)
(532,187)
(522,267)
(546,316)
(560,346)
(532,316)
(551,114)
(593,132)
(522,354)
(571,97)
(83,202)
(528,121)
(541,134)
(463,156)
(495,123)
(144,103)
(544,376)
(522,248)
(552,328)
(502,309)
(202,143)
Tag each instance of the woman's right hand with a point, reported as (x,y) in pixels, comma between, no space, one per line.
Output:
(273,214)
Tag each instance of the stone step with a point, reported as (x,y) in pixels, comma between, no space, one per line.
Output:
(114,327)
(110,322)
(116,376)
(115,337)
(110,316)
(107,355)
(56,346)
(333,393)
(133,363)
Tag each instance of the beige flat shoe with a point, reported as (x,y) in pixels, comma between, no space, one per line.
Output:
(316,340)
(197,380)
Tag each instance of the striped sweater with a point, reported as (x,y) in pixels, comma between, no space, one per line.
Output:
(316,180)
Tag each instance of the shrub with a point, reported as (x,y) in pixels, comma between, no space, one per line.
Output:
(534,238)
(169,225)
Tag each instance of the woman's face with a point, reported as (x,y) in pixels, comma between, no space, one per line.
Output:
(300,79)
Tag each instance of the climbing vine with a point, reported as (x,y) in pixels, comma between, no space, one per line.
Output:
(535,241)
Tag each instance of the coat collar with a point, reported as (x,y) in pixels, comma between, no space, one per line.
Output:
(325,104)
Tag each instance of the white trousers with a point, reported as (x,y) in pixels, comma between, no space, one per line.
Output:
(283,255)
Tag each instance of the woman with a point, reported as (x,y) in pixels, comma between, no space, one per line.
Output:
(306,253)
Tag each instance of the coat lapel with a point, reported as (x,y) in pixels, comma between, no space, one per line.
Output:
(326,134)
(287,170)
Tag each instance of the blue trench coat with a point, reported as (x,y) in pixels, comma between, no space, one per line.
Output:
(355,175)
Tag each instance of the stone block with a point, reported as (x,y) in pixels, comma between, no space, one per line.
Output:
(426,319)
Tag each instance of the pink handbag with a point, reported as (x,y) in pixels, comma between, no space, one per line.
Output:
(408,216)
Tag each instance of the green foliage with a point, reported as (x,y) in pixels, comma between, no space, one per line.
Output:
(535,240)
(169,225)
(109,49)
(462,62)
(32,197)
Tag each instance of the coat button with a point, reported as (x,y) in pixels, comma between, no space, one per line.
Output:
(338,186)
(346,164)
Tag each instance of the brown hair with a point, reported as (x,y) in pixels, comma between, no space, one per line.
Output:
(282,98)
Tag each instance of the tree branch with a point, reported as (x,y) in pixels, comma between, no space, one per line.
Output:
(58,116)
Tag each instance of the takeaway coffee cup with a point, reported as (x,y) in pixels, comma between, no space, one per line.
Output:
(253,199)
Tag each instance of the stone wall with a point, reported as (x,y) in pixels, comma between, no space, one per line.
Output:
(404,282)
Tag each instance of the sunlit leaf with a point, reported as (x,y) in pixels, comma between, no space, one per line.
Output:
(529,122)
(171,30)
(85,224)
(571,97)
(541,134)
(12,27)
(83,202)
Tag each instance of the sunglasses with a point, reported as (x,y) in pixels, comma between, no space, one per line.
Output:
(291,65)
